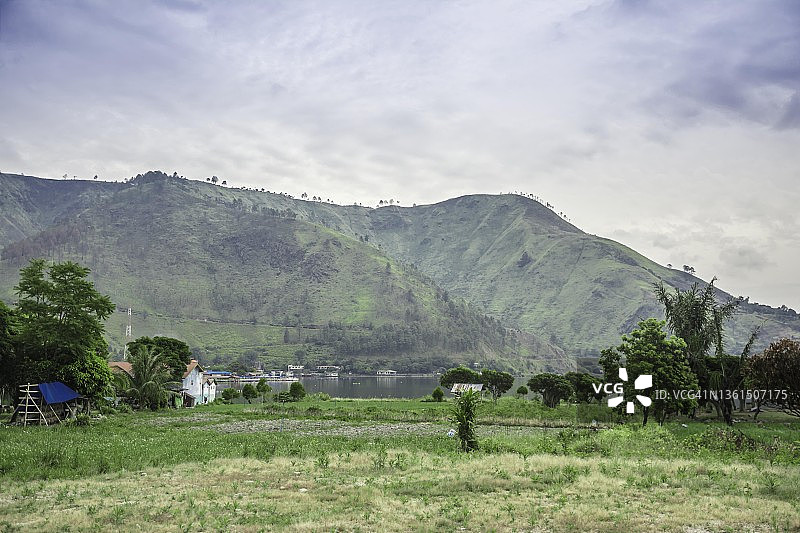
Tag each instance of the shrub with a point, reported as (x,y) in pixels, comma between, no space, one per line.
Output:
(249,393)
(463,414)
(283,397)
(438,394)
(297,391)
(107,410)
(522,391)
(778,368)
(321,396)
(228,395)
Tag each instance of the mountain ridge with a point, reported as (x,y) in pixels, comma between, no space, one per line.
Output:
(254,273)
(508,255)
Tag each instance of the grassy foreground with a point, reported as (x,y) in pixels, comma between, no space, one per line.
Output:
(250,469)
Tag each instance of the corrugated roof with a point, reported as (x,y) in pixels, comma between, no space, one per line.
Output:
(191,366)
(126,367)
(122,366)
(461,387)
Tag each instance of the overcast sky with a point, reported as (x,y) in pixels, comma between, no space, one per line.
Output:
(673,127)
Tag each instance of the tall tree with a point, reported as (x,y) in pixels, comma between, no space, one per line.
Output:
(777,371)
(60,316)
(696,317)
(552,387)
(582,384)
(648,350)
(459,374)
(8,331)
(176,353)
(496,382)
(249,392)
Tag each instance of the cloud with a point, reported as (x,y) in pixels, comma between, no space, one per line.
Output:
(630,116)
(745,258)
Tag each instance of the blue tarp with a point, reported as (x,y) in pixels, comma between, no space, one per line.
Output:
(56,392)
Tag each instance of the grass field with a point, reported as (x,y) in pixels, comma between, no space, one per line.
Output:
(388,465)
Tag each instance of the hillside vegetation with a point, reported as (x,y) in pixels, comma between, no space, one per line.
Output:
(259,284)
(214,263)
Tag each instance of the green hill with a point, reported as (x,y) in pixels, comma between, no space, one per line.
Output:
(194,251)
(237,281)
(523,264)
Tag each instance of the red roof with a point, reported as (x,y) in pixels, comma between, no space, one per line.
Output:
(121,366)
(191,366)
(124,366)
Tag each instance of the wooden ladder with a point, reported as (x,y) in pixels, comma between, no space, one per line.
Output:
(28,407)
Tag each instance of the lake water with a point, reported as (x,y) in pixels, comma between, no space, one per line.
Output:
(371,386)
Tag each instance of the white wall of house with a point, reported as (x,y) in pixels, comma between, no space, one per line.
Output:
(193,383)
(209,391)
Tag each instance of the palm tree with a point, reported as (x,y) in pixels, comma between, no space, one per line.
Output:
(695,316)
(150,377)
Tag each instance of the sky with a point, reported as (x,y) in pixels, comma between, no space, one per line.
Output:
(672,127)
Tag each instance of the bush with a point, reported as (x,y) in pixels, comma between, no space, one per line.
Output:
(438,394)
(82,419)
(463,414)
(283,397)
(107,410)
(321,396)
(297,391)
(249,393)
(228,395)
(522,391)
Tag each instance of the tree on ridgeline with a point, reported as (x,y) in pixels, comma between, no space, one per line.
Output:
(552,387)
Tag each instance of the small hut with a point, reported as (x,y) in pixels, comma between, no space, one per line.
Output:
(45,403)
(460,388)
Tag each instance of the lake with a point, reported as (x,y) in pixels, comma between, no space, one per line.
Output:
(370,386)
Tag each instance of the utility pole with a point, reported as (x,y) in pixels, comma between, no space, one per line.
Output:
(128,335)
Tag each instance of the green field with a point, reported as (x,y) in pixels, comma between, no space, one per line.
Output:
(366,465)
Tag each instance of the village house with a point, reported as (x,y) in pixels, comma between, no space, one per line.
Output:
(196,387)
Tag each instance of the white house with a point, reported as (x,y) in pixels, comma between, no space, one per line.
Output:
(209,390)
(197,388)
(195,384)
